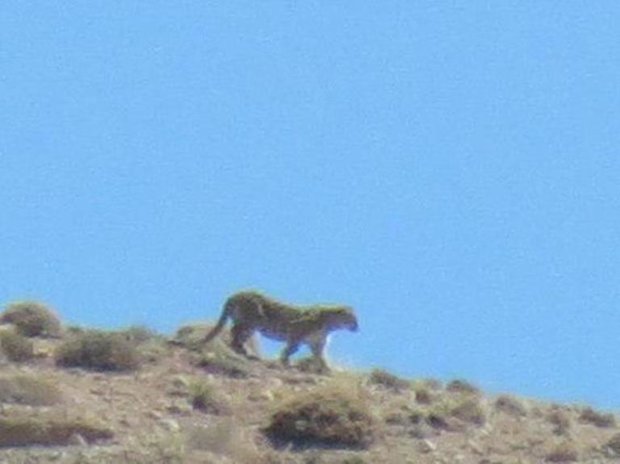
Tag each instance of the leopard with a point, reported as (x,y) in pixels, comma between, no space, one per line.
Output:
(252,311)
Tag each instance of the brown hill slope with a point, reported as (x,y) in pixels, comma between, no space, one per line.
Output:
(134,397)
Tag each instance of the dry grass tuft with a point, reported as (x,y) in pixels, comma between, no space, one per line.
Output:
(139,334)
(462,386)
(510,405)
(98,350)
(32,319)
(560,420)
(191,337)
(223,437)
(388,380)
(29,390)
(335,415)
(598,419)
(224,363)
(426,391)
(613,444)
(204,397)
(39,430)
(456,412)
(469,410)
(353,460)
(216,357)
(311,365)
(17,348)
(564,452)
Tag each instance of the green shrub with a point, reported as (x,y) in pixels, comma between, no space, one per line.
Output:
(333,415)
(16,347)
(98,350)
(32,319)
(388,380)
(28,390)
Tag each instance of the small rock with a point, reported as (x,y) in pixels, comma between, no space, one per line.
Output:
(154,415)
(125,422)
(475,447)
(180,382)
(170,424)
(262,396)
(179,408)
(56,456)
(277,382)
(426,446)
(77,440)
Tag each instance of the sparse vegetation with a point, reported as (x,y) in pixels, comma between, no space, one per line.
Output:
(47,431)
(170,411)
(32,319)
(311,365)
(613,444)
(334,415)
(353,460)
(469,410)
(151,346)
(462,386)
(465,408)
(29,390)
(388,380)
(223,437)
(224,363)
(598,419)
(510,405)
(191,337)
(564,452)
(98,350)
(204,398)
(16,347)
(560,420)
(424,392)
(139,334)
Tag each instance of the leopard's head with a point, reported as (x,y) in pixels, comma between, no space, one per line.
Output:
(344,318)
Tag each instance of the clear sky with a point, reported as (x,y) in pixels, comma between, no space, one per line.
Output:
(450,169)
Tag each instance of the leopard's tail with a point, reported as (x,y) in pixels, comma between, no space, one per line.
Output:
(219,326)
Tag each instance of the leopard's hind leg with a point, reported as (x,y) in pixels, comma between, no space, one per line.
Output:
(241,333)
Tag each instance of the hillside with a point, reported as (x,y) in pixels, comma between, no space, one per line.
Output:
(73,395)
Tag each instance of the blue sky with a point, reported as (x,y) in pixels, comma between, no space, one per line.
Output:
(448,168)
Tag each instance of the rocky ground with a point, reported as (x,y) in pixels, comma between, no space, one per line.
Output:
(181,403)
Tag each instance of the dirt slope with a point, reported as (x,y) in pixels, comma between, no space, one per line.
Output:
(187,404)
